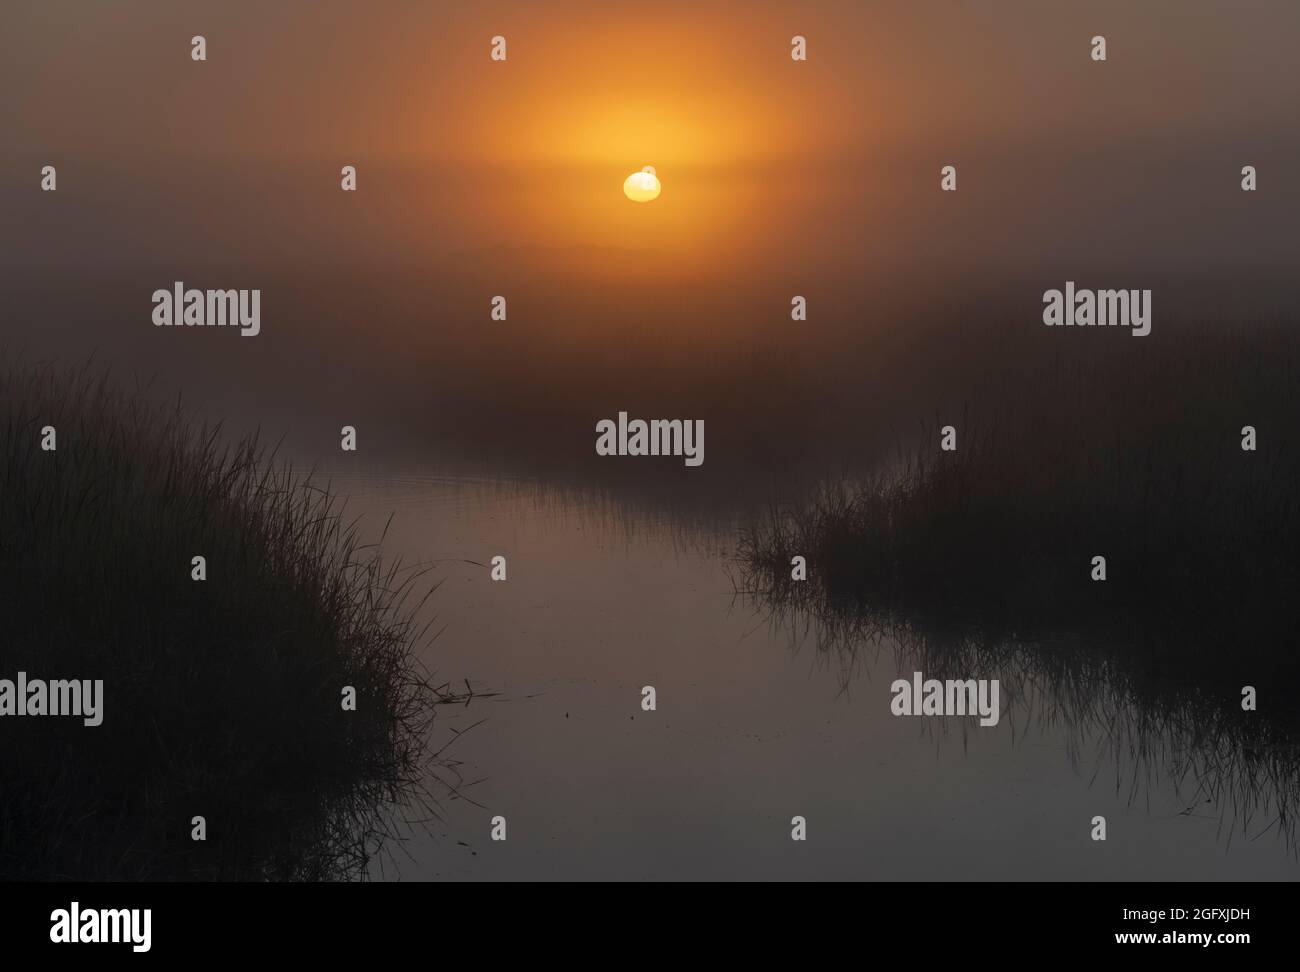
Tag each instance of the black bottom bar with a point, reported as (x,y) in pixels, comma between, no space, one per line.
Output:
(333,922)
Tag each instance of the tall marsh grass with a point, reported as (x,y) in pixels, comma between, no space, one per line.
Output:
(978,563)
(222,697)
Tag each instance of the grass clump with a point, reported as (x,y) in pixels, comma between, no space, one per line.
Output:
(222,697)
(979,562)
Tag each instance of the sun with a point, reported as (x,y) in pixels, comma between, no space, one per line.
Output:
(642,186)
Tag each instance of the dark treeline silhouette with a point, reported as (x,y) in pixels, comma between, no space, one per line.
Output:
(979,562)
(222,697)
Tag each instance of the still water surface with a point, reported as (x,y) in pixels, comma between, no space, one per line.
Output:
(753,725)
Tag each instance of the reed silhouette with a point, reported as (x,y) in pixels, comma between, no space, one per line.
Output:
(222,697)
(978,562)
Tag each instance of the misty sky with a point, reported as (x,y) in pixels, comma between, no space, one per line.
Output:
(457,151)
(478,177)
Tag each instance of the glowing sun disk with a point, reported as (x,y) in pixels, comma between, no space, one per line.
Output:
(642,186)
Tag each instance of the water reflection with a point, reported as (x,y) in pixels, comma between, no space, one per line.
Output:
(763,715)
